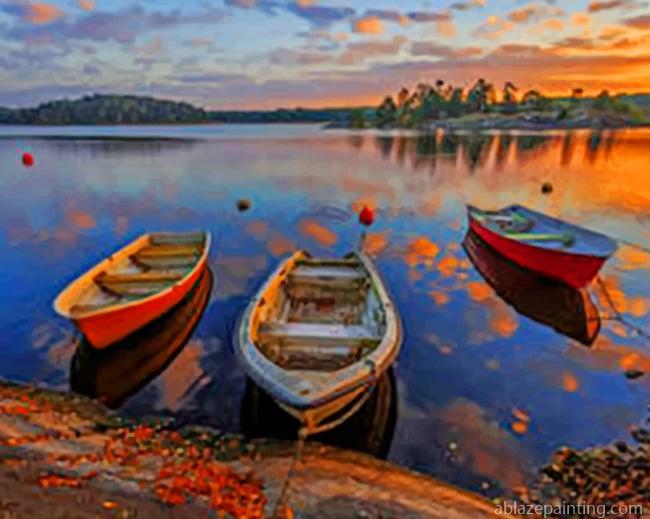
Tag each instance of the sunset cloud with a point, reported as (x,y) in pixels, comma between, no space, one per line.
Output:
(362,51)
(581,19)
(41,13)
(389,15)
(466,6)
(523,15)
(606,5)
(316,52)
(426,48)
(368,25)
(87,5)
(639,22)
(493,28)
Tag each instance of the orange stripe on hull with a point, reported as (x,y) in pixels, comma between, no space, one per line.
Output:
(105,329)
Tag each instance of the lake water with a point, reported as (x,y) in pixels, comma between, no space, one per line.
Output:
(483,392)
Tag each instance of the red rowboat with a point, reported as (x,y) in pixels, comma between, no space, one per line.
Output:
(134,286)
(546,245)
(550,302)
(114,374)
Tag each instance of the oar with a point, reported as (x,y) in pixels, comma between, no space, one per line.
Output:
(567,239)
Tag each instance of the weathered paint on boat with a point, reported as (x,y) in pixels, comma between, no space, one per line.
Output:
(575,263)
(313,395)
(108,323)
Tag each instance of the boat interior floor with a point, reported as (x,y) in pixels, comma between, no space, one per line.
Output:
(161,263)
(320,320)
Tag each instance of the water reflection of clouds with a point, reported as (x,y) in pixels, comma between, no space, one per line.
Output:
(465,352)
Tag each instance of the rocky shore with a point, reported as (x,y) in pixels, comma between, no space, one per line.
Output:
(65,456)
(609,478)
(524,122)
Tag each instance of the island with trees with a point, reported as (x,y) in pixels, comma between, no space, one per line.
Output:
(483,106)
(426,108)
(126,109)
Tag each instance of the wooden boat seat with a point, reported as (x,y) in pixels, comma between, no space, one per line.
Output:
(164,262)
(190,238)
(139,278)
(314,358)
(156,251)
(327,276)
(333,262)
(316,334)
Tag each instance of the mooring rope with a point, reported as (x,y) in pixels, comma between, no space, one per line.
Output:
(643,248)
(297,455)
(617,315)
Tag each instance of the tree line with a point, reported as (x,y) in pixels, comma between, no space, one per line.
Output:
(440,100)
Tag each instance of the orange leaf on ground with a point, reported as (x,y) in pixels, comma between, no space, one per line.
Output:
(110,505)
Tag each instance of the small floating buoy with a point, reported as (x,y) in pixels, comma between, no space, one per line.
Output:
(633,374)
(243,204)
(547,188)
(366,216)
(28,159)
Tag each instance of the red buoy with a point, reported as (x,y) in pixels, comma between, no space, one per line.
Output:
(366,216)
(28,159)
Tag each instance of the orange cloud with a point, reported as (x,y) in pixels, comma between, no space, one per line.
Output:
(42,13)
(524,14)
(305,3)
(581,19)
(554,24)
(570,382)
(493,28)
(421,251)
(81,219)
(368,25)
(598,5)
(375,242)
(446,28)
(87,5)
(318,233)
(279,245)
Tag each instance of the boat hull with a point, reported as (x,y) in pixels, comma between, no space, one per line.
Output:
(311,395)
(114,374)
(550,302)
(106,328)
(577,270)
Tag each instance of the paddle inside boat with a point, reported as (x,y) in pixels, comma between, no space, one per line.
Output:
(546,245)
(318,335)
(134,286)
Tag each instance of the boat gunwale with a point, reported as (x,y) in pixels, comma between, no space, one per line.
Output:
(63,308)
(265,373)
(472,210)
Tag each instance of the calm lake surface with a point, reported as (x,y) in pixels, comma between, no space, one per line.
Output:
(482,394)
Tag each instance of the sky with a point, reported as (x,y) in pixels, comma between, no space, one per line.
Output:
(264,54)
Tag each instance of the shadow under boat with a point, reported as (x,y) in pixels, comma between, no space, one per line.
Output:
(114,374)
(369,430)
(569,311)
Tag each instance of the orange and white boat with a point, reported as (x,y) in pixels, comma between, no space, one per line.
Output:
(134,286)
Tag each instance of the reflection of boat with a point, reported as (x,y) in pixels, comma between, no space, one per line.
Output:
(546,245)
(318,334)
(134,286)
(370,430)
(114,374)
(568,310)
